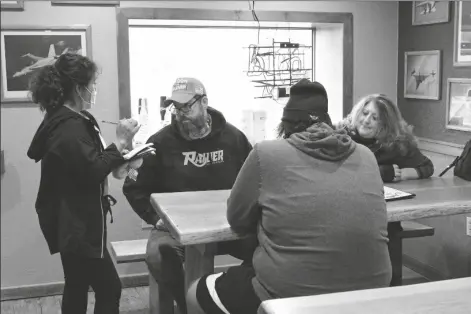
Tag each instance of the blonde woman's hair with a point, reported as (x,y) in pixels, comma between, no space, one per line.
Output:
(393,131)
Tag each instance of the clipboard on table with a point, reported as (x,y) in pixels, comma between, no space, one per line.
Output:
(391,194)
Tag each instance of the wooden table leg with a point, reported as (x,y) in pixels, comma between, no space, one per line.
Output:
(160,301)
(199,261)
(395,252)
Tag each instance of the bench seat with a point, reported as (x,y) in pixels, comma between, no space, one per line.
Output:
(129,251)
(447,296)
(413,229)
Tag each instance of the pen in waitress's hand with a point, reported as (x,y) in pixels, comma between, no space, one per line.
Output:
(109,122)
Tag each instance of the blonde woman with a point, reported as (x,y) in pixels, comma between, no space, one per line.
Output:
(376,122)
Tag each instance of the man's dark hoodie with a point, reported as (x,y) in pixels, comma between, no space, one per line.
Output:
(179,165)
(70,204)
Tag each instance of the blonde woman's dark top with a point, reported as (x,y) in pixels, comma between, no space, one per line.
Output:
(405,155)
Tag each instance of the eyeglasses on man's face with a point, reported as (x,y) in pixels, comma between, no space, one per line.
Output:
(178,108)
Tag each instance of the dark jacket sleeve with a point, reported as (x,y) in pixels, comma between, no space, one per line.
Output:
(138,188)
(415,159)
(243,210)
(82,157)
(387,172)
(412,159)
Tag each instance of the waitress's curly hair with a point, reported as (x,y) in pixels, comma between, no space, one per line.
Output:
(393,132)
(54,84)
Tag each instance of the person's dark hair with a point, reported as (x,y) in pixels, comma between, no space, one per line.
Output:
(287,127)
(52,85)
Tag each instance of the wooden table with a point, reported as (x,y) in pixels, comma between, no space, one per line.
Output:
(198,219)
(434,197)
(444,297)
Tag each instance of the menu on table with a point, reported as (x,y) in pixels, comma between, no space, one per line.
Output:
(391,194)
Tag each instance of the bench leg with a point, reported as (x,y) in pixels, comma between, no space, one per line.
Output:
(160,302)
(199,261)
(395,252)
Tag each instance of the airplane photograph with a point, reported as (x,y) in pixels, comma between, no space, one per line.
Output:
(430,12)
(25,54)
(39,62)
(421,77)
(427,7)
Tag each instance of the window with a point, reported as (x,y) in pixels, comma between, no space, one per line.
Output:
(216,55)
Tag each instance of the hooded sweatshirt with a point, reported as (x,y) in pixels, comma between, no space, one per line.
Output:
(179,165)
(316,202)
(74,166)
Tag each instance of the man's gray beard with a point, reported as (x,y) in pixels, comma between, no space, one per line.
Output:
(195,129)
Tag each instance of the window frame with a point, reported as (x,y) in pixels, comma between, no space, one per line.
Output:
(123,15)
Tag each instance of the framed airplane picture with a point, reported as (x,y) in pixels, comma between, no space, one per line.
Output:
(458,104)
(422,74)
(430,12)
(462,35)
(25,50)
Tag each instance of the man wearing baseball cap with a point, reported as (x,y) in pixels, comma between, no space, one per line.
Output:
(198,151)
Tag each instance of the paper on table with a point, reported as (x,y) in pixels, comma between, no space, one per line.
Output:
(391,194)
(137,150)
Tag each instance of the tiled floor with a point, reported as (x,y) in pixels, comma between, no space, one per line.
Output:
(133,300)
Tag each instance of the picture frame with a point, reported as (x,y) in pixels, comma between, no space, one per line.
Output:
(25,49)
(422,73)
(462,34)
(430,12)
(458,104)
(85,3)
(12,5)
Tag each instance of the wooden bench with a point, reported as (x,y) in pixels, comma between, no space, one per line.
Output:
(133,251)
(448,296)
(410,229)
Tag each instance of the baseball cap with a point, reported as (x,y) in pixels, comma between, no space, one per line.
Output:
(184,89)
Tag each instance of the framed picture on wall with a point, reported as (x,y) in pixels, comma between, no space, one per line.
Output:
(458,104)
(12,5)
(75,2)
(422,74)
(430,12)
(26,49)
(462,35)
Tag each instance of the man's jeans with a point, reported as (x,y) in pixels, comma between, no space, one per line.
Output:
(165,257)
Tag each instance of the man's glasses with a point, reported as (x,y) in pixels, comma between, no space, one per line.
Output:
(185,107)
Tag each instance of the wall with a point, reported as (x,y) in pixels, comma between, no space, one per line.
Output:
(428,116)
(447,253)
(25,259)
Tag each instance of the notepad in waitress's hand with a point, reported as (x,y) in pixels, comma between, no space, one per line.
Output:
(139,152)
(391,194)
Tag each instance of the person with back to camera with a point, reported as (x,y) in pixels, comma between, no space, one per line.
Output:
(376,122)
(315,200)
(198,151)
(73,202)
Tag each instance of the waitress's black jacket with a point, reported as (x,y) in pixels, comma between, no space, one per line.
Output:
(70,204)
